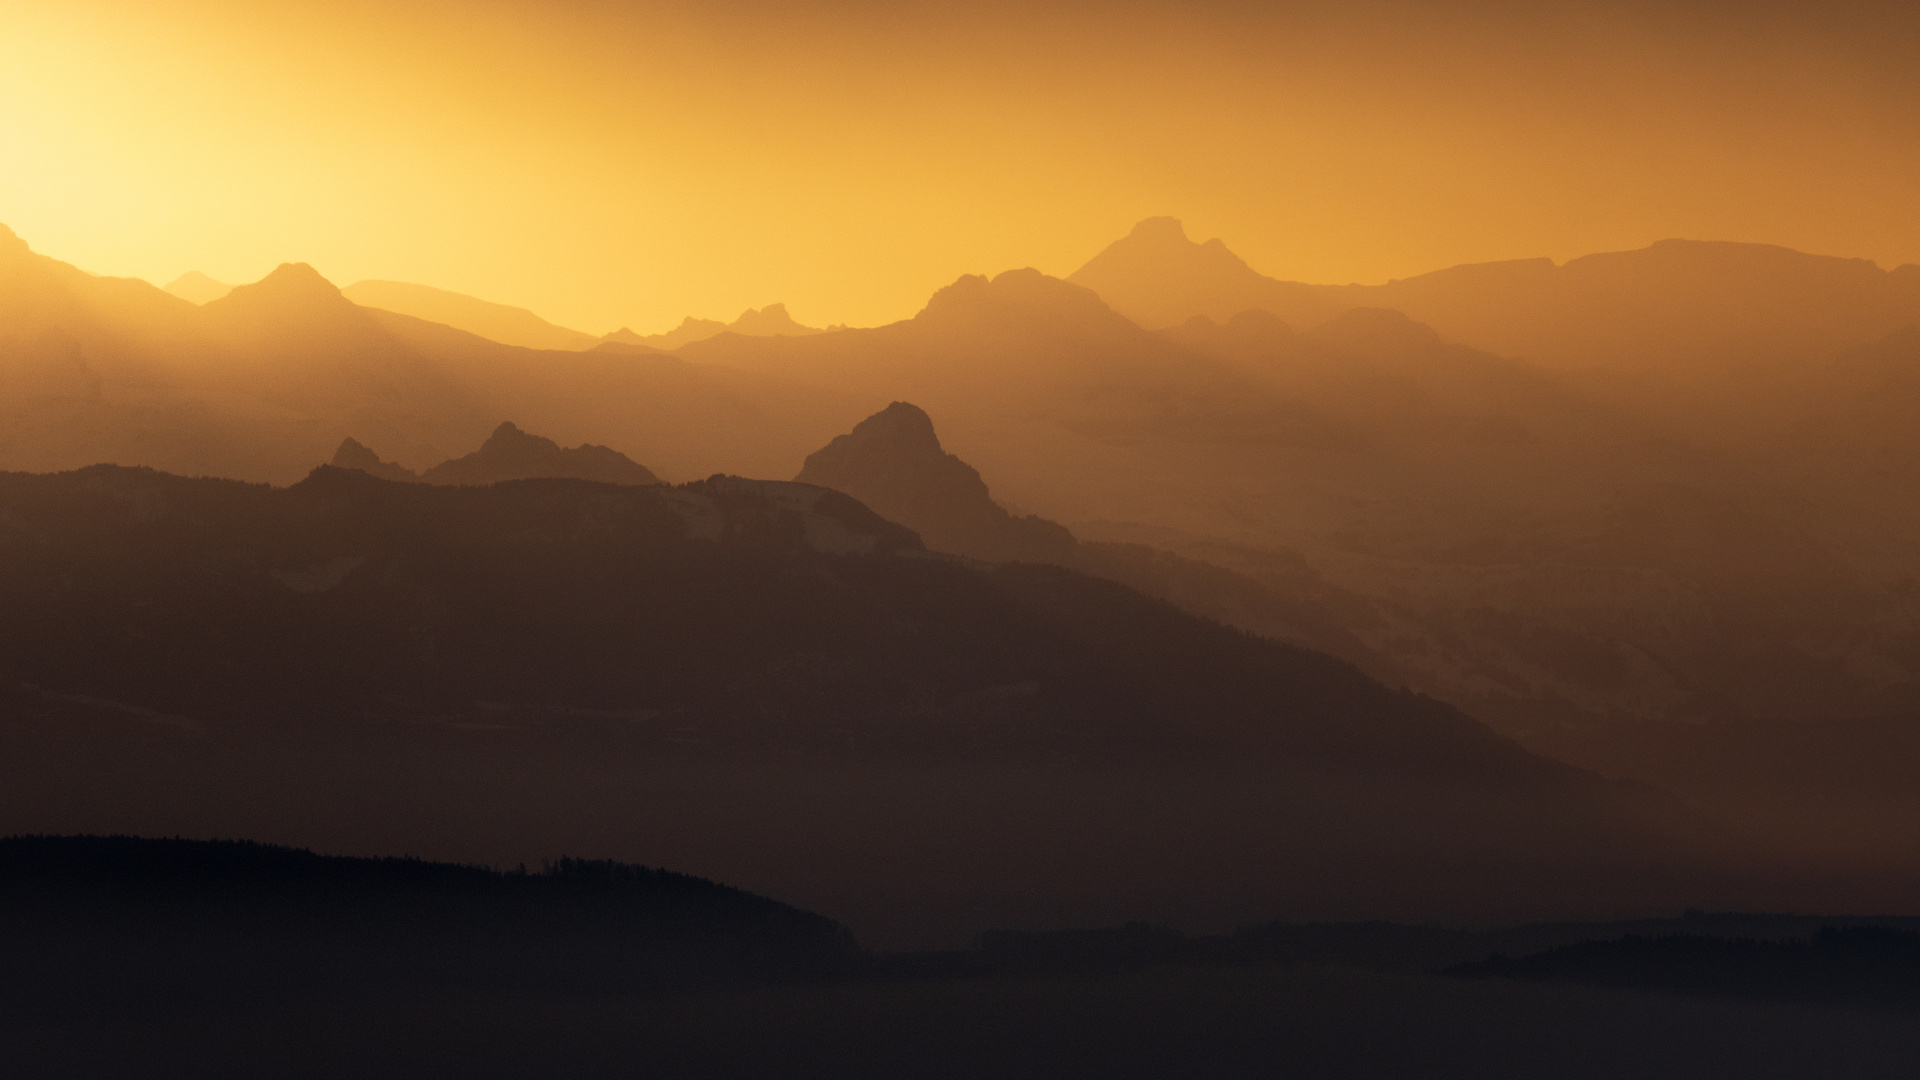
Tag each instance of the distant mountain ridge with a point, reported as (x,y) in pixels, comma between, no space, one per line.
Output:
(495,322)
(508,454)
(1677,304)
(769,321)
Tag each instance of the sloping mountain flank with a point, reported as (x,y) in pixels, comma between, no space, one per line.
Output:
(512,454)
(496,322)
(764,683)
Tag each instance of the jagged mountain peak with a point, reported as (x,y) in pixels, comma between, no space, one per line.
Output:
(1158,277)
(893,462)
(353,454)
(1021,296)
(512,454)
(900,426)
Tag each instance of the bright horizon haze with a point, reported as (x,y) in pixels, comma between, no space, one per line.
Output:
(607,164)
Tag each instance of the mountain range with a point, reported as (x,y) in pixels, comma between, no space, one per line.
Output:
(769,321)
(510,325)
(508,454)
(1678,306)
(765,681)
(1682,572)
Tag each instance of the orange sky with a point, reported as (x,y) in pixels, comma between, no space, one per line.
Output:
(612,163)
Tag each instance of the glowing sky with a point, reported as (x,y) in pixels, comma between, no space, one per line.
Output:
(618,163)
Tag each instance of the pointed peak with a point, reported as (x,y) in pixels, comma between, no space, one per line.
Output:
(289,276)
(512,454)
(291,287)
(509,437)
(10,244)
(356,455)
(196,287)
(1160,228)
(903,424)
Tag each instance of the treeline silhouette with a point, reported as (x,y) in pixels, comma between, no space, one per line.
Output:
(1712,953)
(139,917)
(1839,963)
(131,956)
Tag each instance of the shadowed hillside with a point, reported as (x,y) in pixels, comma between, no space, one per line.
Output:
(689,672)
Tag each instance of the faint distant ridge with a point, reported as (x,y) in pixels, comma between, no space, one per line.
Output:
(1159,278)
(512,454)
(497,322)
(769,321)
(353,455)
(1675,305)
(893,462)
(197,288)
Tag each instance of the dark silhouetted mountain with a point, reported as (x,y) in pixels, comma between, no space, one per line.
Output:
(768,679)
(495,322)
(769,321)
(197,288)
(892,461)
(1854,964)
(352,455)
(512,454)
(174,919)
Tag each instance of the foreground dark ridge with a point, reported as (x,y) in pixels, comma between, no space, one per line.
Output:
(130,956)
(761,682)
(217,914)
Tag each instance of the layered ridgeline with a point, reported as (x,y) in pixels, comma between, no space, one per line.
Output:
(1600,566)
(769,321)
(1677,305)
(508,454)
(260,381)
(496,322)
(509,325)
(764,683)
